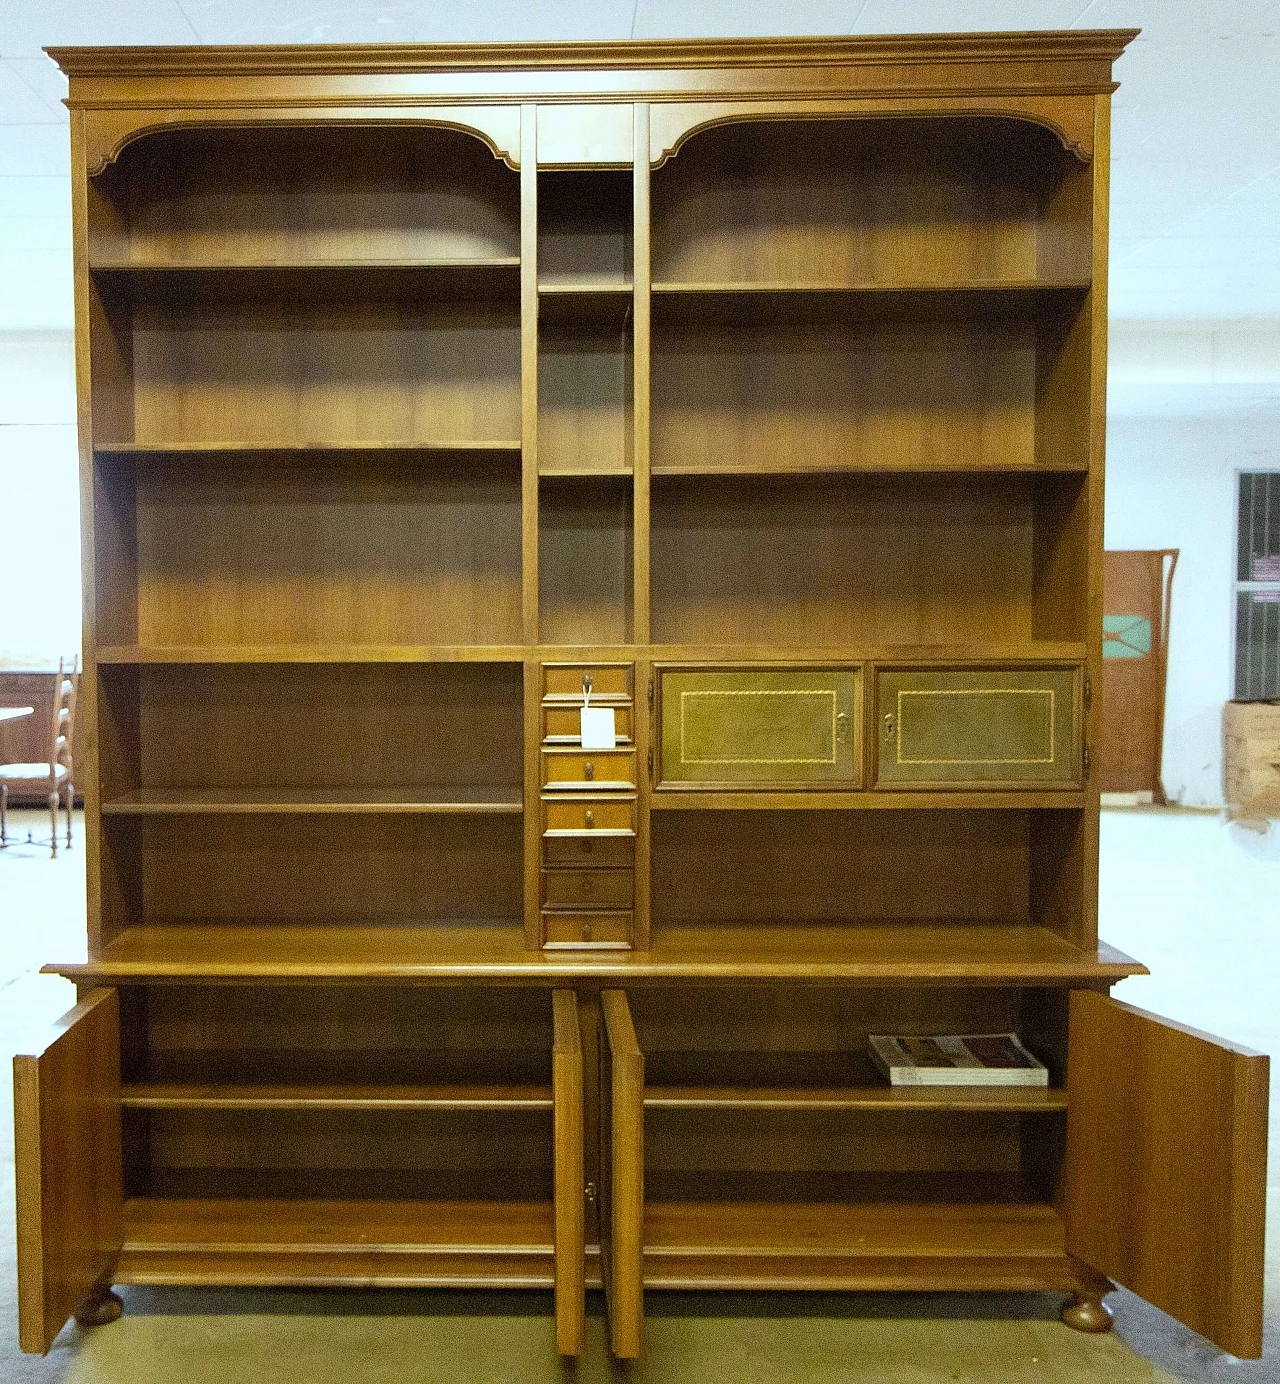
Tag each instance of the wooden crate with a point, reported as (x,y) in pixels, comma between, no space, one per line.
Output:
(1251,760)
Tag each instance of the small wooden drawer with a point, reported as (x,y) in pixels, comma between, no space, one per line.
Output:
(588,769)
(564,681)
(611,930)
(588,816)
(977,726)
(586,888)
(589,850)
(561,726)
(762,728)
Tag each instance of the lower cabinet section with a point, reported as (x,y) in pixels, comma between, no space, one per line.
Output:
(329,1134)
(781,1169)
(308,1135)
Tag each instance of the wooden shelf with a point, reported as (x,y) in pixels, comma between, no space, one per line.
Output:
(337,1242)
(401,281)
(313,450)
(749,304)
(311,653)
(845,1231)
(815,1081)
(904,953)
(171,1096)
(1038,653)
(588,304)
(169,801)
(865,800)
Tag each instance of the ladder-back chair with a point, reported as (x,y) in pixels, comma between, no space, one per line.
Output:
(57,776)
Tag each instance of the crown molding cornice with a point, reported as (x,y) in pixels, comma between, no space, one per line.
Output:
(870,52)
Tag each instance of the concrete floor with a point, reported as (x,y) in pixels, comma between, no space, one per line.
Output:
(1193,898)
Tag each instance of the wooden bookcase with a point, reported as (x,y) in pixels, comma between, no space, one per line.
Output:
(755,389)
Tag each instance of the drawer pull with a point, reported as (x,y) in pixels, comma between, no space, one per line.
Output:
(589,818)
(588,770)
(889,725)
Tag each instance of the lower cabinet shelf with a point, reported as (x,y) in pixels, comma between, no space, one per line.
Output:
(338,1243)
(847,1244)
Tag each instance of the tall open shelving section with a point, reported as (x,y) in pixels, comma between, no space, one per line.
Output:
(415,410)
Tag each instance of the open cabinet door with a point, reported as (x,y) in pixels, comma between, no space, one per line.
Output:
(1166,1166)
(67,1158)
(622,1175)
(566,1085)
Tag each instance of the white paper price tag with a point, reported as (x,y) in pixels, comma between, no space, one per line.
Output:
(598,729)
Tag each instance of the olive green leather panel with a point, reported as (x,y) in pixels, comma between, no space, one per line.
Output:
(977,726)
(759,726)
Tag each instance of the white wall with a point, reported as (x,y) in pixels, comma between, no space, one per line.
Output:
(39,500)
(1171,483)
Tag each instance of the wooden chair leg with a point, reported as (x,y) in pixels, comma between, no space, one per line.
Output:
(71,802)
(4,814)
(54,804)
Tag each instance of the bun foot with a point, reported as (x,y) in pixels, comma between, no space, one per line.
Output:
(1087,1312)
(100,1308)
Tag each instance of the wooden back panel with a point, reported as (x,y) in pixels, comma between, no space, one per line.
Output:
(329,725)
(763,867)
(369,550)
(305,195)
(857,201)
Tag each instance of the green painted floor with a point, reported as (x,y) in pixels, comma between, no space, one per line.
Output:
(1178,890)
(517,1349)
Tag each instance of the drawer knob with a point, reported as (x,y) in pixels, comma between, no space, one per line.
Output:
(889,725)
(588,770)
(589,818)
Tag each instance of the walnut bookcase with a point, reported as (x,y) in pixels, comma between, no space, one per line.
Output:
(755,390)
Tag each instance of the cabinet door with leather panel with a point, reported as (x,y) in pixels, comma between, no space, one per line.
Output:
(977,727)
(753,727)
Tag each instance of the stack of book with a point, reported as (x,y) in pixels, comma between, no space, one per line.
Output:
(968,1059)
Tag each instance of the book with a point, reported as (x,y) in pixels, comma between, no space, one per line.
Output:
(968,1059)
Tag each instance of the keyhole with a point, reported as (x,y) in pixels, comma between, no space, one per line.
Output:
(588,770)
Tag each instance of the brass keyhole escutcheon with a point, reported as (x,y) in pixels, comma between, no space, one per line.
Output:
(842,728)
(586,932)
(889,724)
(589,818)
(588,770)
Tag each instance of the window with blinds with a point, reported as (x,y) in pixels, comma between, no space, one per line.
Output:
(1258,587)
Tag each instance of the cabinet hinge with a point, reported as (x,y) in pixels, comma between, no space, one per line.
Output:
(650,694)
(649,760)
(589,1191)
(1086,762)
(1088,691)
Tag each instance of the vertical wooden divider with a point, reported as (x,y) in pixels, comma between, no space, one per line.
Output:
(86,771)
(529,517)
(570,1248)
(625,1202)
(641,352)
(1097,306)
